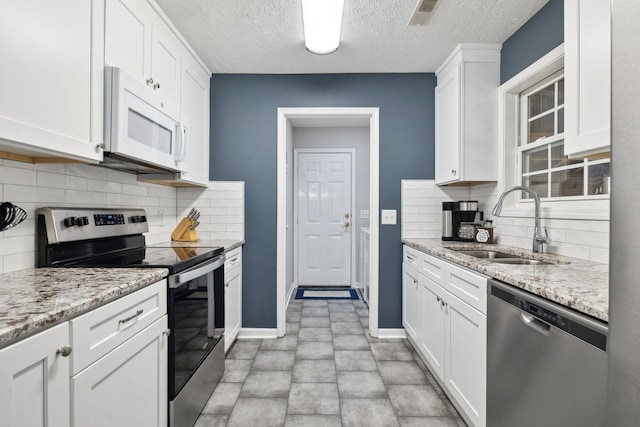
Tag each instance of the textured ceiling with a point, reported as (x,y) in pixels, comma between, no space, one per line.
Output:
(265,36)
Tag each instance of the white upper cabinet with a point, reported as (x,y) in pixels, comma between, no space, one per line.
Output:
(194,107)
(51,101)
(587,63)
(466,112)
(140,40)
(140,43)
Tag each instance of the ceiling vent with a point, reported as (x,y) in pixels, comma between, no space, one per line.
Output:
(422,12)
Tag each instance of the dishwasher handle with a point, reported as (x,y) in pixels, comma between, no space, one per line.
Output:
(535,324)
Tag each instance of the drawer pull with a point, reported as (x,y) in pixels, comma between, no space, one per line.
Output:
(410,258)
(133,316)
(233,261)
(64,351)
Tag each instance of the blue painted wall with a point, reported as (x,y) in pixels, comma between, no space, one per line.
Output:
(243,147)
(538,36)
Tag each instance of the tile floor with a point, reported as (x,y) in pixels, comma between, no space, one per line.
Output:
(327,371)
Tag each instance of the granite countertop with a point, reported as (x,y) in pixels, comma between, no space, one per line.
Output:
(578,284)
(32,300)
(228,245)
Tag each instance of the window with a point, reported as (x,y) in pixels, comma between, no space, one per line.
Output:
(542,164)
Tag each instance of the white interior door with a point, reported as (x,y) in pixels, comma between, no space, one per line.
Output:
(324,219)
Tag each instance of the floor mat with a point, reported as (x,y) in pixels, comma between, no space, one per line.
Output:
(326,293)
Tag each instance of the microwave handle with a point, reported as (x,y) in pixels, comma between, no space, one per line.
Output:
(182,140)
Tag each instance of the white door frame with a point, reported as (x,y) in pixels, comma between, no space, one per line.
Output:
(296,152)
(285,115)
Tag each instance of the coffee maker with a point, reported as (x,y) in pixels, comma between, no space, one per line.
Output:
(459,220)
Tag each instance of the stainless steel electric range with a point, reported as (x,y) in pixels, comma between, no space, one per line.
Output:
(78,237)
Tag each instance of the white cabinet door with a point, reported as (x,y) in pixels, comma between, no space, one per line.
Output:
(128,30)
(232,298)
(128,386)
(587,65)
(465,374)
(411,302)
(447,127)
(50,102)
(466,117)
(141,44)
(432,338)
(34,381)
(166,64)
(195,114)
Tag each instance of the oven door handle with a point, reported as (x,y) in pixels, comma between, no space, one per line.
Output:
(194,273)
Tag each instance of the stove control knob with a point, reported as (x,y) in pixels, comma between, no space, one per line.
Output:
(69,221)
(82,221)
(138,218)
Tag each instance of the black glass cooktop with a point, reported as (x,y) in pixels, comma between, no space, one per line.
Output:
(175,259)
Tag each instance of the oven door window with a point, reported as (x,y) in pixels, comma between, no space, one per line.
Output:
(194,328)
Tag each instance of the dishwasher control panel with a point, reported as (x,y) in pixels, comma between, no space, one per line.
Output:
(541,313)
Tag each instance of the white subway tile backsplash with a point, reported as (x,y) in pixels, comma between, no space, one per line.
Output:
(73,185)
(221,206)
(421,216)
(11,175)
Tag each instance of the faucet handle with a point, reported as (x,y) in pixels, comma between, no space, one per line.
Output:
(541,236)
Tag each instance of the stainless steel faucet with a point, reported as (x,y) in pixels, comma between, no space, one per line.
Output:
(539,233)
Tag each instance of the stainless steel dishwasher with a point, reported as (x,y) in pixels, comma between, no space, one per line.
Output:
(546,364)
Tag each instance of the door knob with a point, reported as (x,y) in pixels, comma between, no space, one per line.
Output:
(346,224)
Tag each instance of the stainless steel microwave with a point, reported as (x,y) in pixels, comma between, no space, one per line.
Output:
(138,128)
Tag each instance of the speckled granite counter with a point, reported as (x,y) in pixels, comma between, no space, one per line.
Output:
(574,283)
(228,245)
(32,300)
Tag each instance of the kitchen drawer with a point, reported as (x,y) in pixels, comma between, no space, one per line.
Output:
(233,260)
(432,267)
(96,333)
(411,257)
(468,286)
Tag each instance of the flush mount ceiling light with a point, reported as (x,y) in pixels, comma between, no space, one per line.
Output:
(322,21)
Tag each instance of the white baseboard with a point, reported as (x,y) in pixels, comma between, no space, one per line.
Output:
(257,333)
(391,333)
(293,288)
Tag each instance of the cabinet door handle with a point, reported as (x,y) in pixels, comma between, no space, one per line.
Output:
(149,81)
(64,351)
(415,281)
(133,316)
(166,332)
(156,86)
(453,171)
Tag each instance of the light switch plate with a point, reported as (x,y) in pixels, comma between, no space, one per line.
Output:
(389,216)
(364,214)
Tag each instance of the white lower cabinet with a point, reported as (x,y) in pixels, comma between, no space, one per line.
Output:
(128,386)
(34,381)
(107,367)
(232,297)
(410,294)
(431,342)
(465,367)
(451,331)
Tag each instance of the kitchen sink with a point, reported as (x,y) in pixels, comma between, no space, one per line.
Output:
(519,261)
(500,257)
(485,254)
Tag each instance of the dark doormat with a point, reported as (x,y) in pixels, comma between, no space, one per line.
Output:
(326,293)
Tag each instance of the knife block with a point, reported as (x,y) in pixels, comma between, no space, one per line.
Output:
(183,232)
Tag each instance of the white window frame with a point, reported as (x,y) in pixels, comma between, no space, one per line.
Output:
(509,118)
